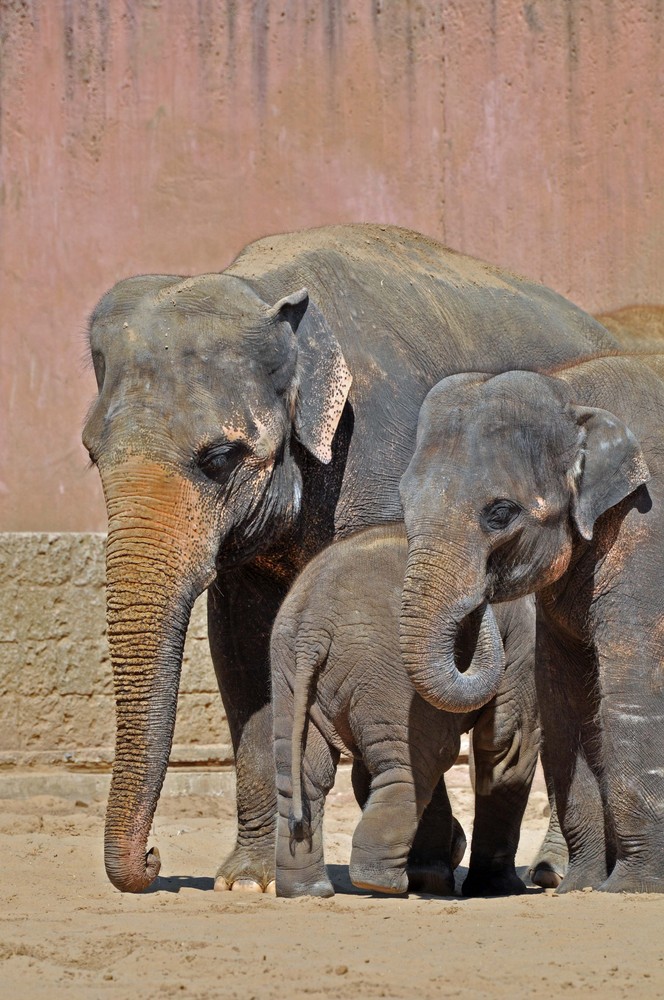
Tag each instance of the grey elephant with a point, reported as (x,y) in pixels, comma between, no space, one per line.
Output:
(553,484)
(639,328)
(339,685)
(245,419)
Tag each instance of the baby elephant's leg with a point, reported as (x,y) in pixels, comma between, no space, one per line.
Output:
(300,862)
(440,842)
(384,836)
(438,848)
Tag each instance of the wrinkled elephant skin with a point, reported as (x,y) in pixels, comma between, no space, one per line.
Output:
(554,485)
(339,684)
(252,415)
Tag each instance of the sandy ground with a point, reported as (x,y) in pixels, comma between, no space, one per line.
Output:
(67,933)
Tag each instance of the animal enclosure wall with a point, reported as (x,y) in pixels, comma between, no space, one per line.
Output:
(162,136)
(57,704)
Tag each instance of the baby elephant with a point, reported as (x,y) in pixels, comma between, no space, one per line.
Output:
(339,686)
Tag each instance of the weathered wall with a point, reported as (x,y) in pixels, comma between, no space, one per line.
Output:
(162,135)
(55,675)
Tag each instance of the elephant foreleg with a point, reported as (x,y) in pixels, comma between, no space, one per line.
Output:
(631,723)
(242,606)
(505,741)
(568,701)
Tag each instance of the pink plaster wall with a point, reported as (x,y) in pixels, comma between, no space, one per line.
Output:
(162,135)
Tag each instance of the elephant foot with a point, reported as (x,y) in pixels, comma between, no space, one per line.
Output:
(632,878)
(377,877)
(583,875)
(545,875)
(247,870)
(433,879)
(288,888)
(550,866)
(492,882)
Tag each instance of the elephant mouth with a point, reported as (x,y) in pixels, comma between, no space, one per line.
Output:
(465,642)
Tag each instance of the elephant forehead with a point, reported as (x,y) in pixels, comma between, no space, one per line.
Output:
(144,405)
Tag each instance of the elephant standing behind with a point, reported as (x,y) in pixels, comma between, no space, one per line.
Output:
(243,420)
(554,485)
(339,685)
(638,328)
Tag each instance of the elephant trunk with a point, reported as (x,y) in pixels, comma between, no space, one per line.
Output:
(153,578)
(432,617)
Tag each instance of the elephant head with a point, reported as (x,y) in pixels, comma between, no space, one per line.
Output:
(202,389)
(507,473)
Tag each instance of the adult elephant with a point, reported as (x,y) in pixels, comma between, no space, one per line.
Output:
(636,327)
(231,448)
(554,485)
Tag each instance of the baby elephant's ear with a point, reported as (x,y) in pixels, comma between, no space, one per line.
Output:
(609,467)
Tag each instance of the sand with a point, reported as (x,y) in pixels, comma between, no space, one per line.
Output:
(67,933)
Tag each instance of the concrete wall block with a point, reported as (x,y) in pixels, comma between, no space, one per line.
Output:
(10,735)
(56,681)
(201,720)
(52,721)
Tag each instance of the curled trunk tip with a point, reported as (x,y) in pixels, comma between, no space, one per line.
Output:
(428,643)
(128,876)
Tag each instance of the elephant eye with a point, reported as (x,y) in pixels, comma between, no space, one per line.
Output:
(217,461)
(499,514)
(99,366)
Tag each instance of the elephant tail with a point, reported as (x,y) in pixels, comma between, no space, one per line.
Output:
(308,661)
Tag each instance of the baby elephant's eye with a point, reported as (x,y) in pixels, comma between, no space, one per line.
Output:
(499,514)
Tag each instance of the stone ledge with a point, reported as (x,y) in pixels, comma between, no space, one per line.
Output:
(101,758)
(23,783)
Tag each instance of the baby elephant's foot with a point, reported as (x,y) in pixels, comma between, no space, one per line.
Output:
(633,877)
(289,886)
(369,872)
(492,881)
(435,878)
(246,870)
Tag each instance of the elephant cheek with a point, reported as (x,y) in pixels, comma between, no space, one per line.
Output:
(556,565)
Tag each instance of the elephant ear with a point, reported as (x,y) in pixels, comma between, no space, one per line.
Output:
(609,467)
(323,378)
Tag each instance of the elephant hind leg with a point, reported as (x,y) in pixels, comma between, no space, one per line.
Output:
(551,863)
(438,848)
(300,864)
(384,836)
